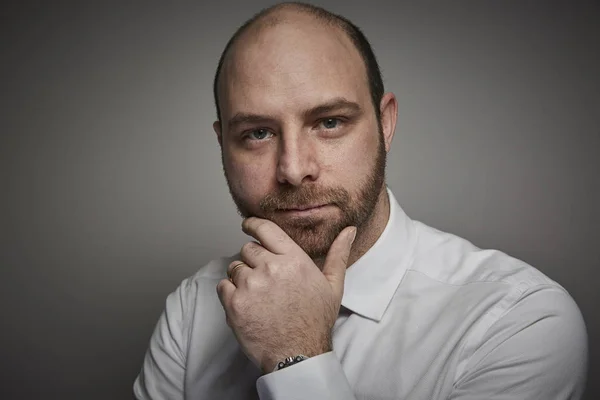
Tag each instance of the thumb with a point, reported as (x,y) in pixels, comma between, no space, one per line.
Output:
(336,261)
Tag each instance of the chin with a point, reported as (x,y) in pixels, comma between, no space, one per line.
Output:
(314,238)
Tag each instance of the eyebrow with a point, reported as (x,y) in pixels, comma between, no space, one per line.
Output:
(335,105)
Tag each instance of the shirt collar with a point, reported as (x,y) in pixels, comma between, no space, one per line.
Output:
(373,279)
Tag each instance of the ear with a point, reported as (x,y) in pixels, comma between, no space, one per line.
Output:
(389,114)
(217,128)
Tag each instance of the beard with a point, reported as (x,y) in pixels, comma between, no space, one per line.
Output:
(316,234)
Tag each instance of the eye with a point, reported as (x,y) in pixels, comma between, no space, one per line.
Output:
(258,134)
(330,123)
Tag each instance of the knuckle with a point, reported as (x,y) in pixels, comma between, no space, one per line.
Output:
(221,286)
(238,306)
(271,267)
(345,256)
(248,250)
(244,251)
(252,282)
(280,238)
(231,264)
(275,270)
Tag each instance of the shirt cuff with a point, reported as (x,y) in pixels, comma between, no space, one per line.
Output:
(319,377)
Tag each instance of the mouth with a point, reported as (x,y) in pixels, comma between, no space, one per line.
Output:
(304,210)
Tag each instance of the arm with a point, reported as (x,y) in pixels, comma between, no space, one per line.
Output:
(537,350)
(163,370)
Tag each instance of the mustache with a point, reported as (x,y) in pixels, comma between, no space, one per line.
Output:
(303,196)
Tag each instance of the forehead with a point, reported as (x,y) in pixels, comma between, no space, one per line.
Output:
(290,67)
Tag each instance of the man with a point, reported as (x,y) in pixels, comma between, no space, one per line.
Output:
(342,295)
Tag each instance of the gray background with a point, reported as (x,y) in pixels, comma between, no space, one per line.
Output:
(111,184)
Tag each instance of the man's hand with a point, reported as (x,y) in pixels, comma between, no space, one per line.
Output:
(279,303)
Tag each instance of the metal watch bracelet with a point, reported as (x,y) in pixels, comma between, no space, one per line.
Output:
(289,361)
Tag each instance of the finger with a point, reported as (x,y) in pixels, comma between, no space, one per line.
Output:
(269,234)
(336,261)
(254,254)
(237,270)
(225,291)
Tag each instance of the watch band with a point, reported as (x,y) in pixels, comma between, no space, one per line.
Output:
(290,361)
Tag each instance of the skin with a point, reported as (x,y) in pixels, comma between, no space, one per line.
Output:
(282,150)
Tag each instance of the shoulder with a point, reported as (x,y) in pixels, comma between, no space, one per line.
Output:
(507,285)
(184,298)
(537,347)
(196,294)
(525,315)
(450,259)
(214,269)
(504,283)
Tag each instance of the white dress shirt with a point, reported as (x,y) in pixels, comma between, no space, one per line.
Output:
(425,315)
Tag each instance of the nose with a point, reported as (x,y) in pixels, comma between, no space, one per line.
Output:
(297,159)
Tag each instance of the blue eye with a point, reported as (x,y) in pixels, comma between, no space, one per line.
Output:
(330,123)
(258,134)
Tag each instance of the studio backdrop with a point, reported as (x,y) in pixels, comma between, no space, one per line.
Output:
(112,189)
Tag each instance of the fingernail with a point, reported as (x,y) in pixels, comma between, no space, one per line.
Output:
(352,235)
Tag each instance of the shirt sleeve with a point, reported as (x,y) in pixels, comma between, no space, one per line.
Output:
(163,369)
(536,350)
(319,377)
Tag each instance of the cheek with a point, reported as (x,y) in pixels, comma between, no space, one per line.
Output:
(251,181)
(353,159)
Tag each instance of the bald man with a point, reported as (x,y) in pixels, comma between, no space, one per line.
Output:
(341,295)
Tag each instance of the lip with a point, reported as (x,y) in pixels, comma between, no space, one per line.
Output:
(304,208)
(303,211)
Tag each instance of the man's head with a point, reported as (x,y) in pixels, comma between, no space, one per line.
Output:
(272,16)
(303,122)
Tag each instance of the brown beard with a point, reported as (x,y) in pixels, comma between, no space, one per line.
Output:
(313,234)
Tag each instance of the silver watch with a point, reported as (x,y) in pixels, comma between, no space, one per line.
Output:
(289,361)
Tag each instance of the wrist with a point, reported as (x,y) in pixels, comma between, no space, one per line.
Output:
(272,364)
(289,361)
